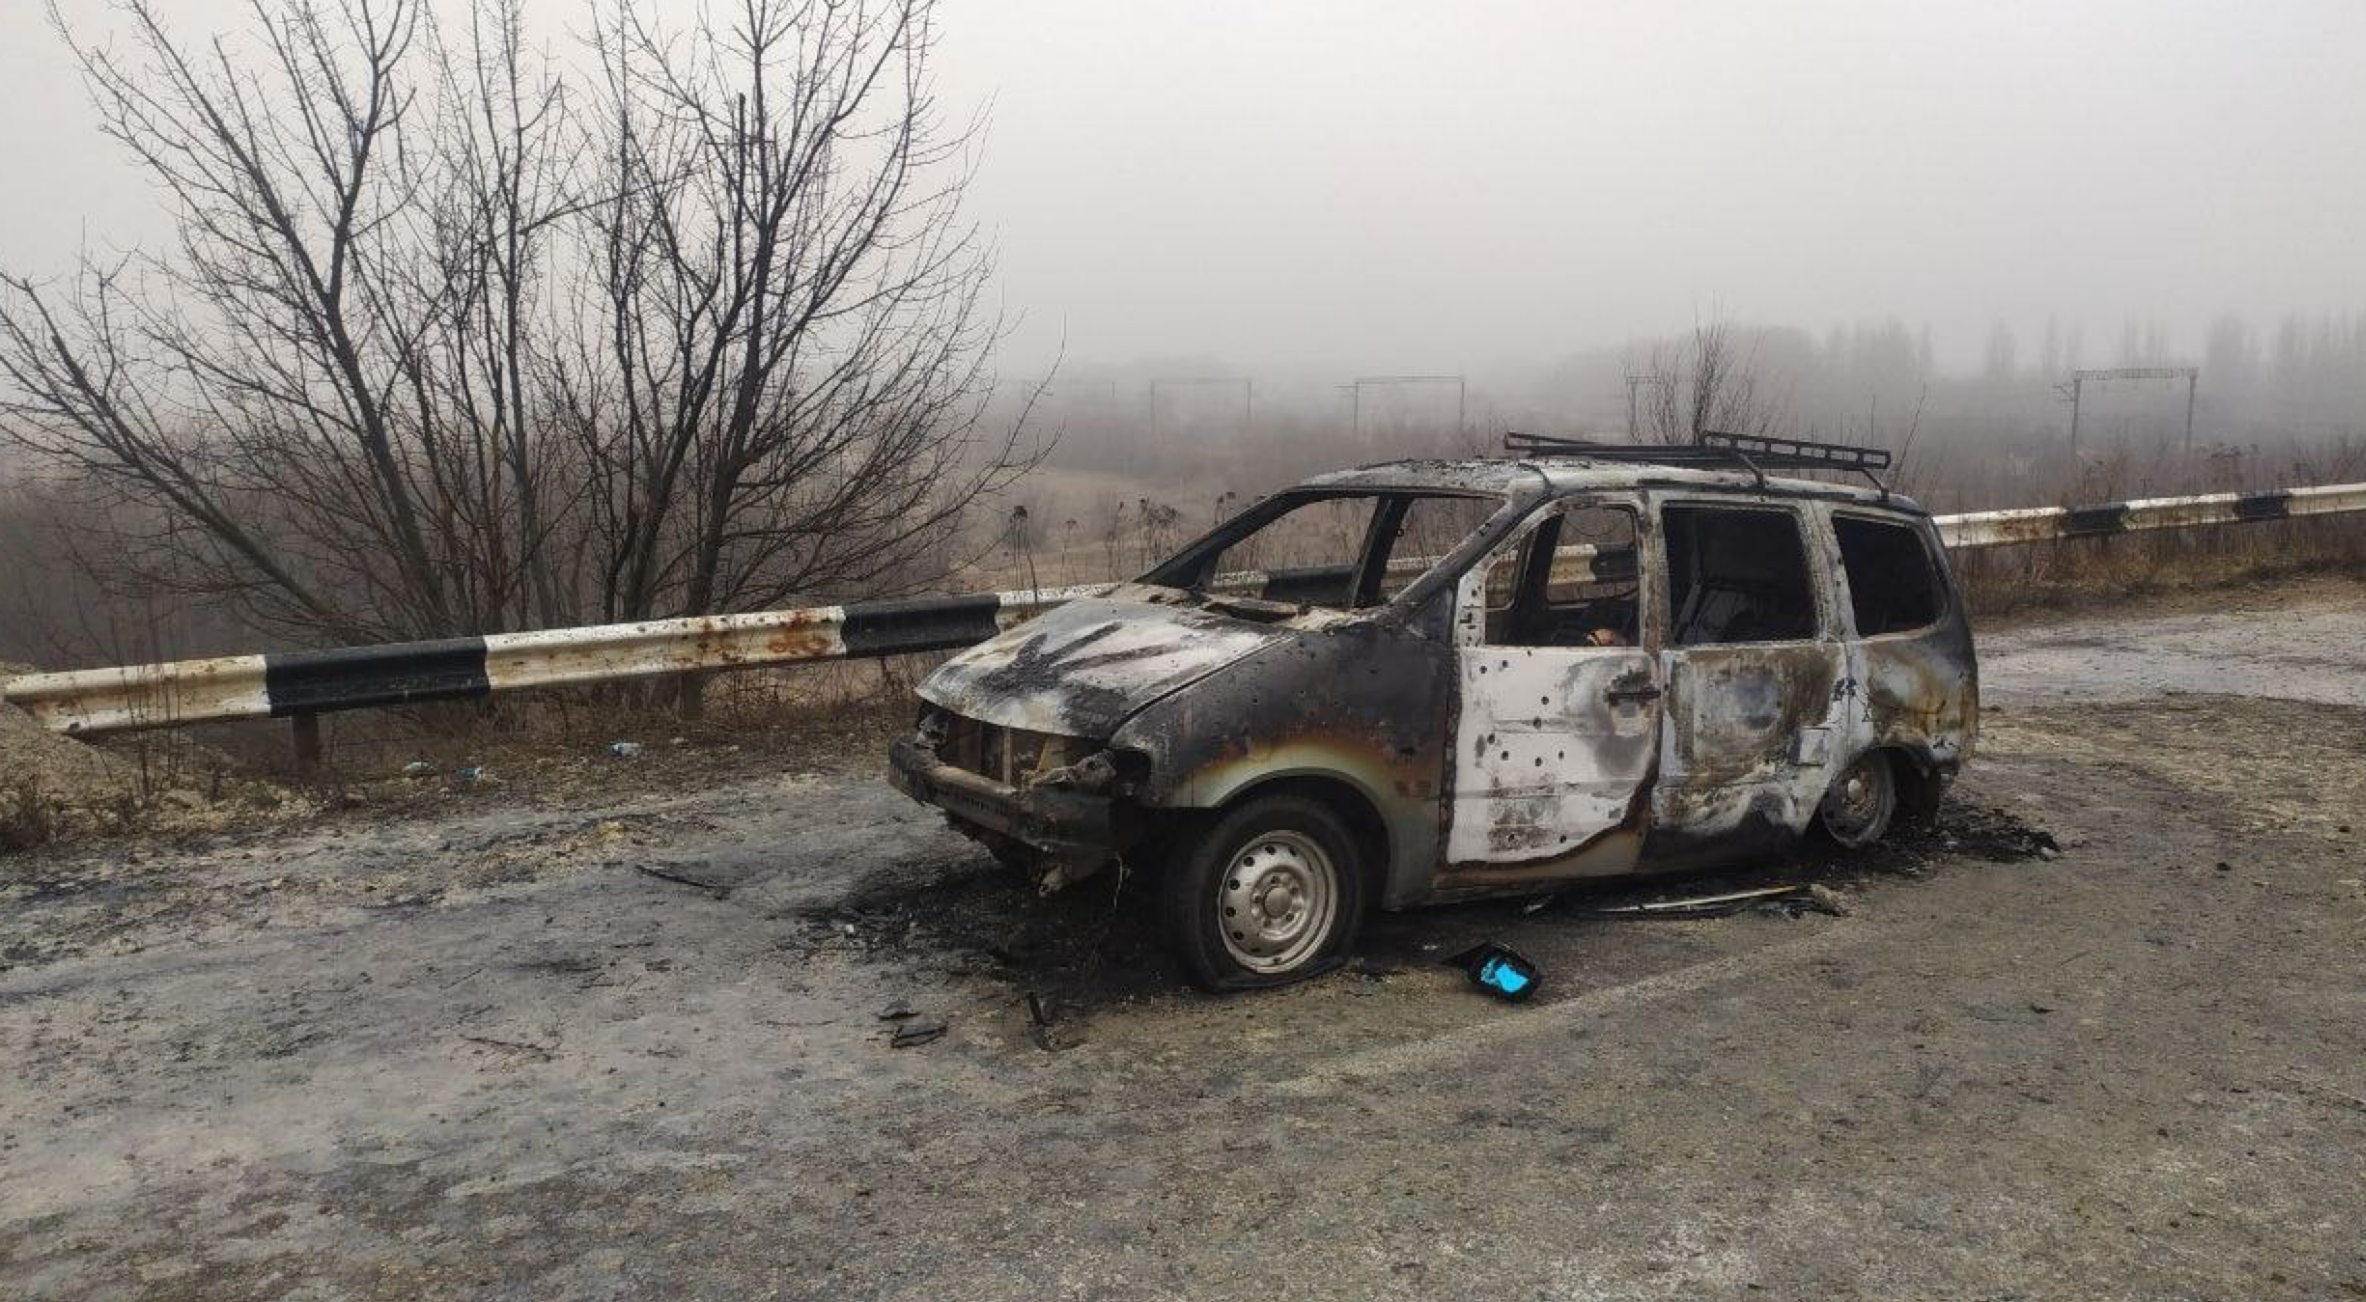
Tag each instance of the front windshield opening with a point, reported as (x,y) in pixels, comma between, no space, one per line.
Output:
(1343,551)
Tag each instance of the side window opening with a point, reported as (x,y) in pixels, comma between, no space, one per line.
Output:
(1422,530)
(1306,556)
(1892,586)
(1573,583)
(1737,574)
(1344,551)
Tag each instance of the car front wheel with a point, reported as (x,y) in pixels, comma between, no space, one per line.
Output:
(1857,811)
(1272,893)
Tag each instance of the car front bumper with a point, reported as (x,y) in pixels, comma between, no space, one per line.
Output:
(1072,826)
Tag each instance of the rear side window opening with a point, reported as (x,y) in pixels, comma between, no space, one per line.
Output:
(1737,574)
(1892,585)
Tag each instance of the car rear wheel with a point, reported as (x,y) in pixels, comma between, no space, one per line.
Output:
(1272,893)
(1858,809)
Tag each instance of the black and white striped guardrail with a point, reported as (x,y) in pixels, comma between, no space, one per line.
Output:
(2049,523)
(306,683)
(93,701)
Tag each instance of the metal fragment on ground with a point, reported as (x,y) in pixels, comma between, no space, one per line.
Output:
(917,1031)
(1699,906)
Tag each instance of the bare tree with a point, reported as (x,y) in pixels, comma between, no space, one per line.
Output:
(786,388)
(1708,382)
(447,345)
(315,390)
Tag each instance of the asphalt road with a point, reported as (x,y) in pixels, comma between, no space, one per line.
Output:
(630,1046)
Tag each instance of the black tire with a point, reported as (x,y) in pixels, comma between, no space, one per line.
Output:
(1863,800)
(1269,893)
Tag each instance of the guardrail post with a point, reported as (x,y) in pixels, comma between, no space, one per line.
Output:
(307,735)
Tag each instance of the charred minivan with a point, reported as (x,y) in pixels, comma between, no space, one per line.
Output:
(1439,680)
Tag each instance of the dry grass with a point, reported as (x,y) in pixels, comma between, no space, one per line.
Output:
(809,716)
(2093,571)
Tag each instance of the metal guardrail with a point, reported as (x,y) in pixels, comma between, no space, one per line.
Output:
(91,701)
(2048,523)
(301,685)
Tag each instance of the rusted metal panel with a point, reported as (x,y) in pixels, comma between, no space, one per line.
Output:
(145,696)
(2045,523)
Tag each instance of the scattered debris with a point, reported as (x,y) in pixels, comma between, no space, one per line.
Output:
(471,776)
(915,1032)
(1539,905)
(418,769)
(685,879)
(1049,1035)
(541,1052)
(625,749)
(898,1011)
(1500,970)
(1813,899)
(2330,1094)
(1701,906)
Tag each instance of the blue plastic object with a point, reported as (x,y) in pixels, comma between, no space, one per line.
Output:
(1499,970)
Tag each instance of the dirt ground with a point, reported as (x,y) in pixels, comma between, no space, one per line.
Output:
(627,1042)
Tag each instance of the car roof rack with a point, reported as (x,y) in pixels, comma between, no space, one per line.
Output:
(1756,453)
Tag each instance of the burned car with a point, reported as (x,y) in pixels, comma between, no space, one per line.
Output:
(1440,680)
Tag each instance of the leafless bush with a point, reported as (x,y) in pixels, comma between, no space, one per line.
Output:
(1710,381)
(26,819)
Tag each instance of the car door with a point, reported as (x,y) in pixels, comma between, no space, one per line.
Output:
(1557,719)
(1755,675)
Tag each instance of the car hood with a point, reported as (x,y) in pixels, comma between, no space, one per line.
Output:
(1082,668)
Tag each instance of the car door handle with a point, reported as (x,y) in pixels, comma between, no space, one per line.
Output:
(1636,695)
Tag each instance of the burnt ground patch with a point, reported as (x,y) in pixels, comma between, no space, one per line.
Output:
(1097,945)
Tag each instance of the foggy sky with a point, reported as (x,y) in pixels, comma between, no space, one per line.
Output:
(1371,185)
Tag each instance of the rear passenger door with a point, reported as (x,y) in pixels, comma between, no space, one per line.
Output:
(1911,662)
(1755,675)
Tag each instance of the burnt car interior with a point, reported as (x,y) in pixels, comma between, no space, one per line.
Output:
(1573,583)
(1737,574)
(1893,585)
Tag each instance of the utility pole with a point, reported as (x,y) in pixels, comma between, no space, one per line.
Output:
(2192,375)
(2193,381)
(1461,397)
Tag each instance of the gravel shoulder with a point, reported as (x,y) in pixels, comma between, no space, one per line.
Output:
(629,1046)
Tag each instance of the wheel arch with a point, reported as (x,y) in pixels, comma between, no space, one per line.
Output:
(1342,797)
(1920,777)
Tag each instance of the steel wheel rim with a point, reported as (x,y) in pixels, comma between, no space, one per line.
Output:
(1859,802)
(1276,902)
